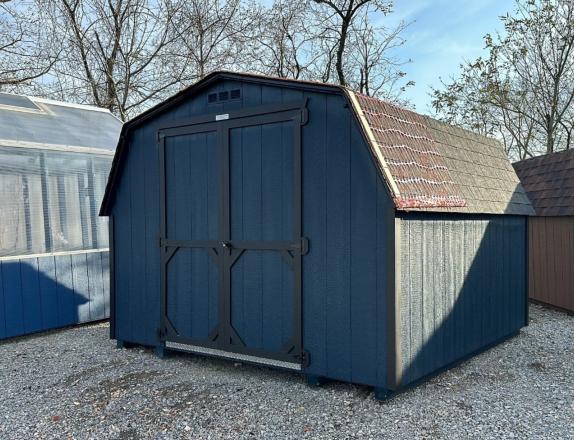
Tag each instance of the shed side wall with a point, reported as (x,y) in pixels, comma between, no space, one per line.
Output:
(347,217)
(462,287)
(551,261)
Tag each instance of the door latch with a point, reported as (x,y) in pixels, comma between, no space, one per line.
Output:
(226,245)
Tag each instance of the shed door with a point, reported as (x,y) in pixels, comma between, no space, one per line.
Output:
(232,245)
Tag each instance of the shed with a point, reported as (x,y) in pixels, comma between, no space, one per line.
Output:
(54,163)
(304,226)
(549,184)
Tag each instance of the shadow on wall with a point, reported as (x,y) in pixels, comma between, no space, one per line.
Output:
(463,287)
(47,292)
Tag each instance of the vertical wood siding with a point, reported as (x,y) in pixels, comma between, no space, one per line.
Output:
(347,217)
(462,287)
(551,265)
(48,292)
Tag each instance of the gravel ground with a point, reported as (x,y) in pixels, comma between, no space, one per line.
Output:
(76,384)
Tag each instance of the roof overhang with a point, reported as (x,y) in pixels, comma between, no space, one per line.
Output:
(55,147)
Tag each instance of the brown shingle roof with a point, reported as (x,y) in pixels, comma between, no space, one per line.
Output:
(549,182)
(432,166)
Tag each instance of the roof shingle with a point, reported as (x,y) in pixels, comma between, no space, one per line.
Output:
(549,182)
(433,166)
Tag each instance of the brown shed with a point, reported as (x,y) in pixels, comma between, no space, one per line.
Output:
(549,183)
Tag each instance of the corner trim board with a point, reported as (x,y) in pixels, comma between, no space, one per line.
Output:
(394,368)
(112,278)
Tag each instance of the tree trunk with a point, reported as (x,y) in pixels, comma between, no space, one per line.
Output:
(549,135)
(341,50)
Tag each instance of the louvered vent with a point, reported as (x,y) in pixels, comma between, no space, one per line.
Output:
(225,95)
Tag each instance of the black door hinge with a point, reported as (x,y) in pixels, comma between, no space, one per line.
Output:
(304,358)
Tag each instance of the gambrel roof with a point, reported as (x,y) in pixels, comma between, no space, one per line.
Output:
(549,182)
(427,165)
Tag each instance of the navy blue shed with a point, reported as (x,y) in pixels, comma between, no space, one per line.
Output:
(304,226)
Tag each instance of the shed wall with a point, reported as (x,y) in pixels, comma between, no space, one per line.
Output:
(551,261)
(40,293)
(347,217)
(462,287)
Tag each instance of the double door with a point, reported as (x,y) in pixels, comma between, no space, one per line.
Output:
(231,243)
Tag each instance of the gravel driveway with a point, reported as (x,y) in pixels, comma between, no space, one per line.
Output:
(76,384)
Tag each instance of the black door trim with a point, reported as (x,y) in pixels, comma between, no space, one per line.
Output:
(224,250)
(269,109)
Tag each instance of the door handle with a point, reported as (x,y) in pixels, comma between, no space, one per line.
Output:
(226,244)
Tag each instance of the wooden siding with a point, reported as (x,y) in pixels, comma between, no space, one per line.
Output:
(347,216)
(551,261)
(462,287)
(47,292)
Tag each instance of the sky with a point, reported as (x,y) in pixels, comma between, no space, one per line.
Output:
(442,35)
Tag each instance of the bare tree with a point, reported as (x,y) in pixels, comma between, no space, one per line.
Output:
(113,52)
(339,16)
(285,45)
(374,67)
(303,40)
(211,35)
(126,55)
(25,51)
(525,87)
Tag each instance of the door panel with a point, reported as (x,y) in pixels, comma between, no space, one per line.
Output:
(261,202)
(193,293)
(262,182)
(192,186)
(262,286)
(192,212)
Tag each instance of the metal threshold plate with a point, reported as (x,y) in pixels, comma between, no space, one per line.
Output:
(233,356)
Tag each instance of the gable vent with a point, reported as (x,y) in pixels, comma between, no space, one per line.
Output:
(225,95)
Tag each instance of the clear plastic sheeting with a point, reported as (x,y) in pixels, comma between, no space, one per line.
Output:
(49,201)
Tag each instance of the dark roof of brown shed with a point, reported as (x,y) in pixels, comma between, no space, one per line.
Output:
(549,182)
(427,165)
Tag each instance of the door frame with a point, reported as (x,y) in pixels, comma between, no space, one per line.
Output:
(226,251)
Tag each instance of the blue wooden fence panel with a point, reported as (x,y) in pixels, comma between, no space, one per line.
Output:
(46,292)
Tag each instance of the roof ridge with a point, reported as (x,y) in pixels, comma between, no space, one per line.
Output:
(87,107)
(542,157)
(57,102)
